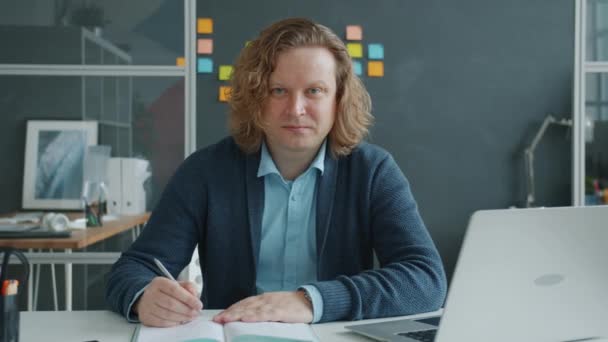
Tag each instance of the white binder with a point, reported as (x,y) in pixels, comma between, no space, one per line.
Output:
(126,177)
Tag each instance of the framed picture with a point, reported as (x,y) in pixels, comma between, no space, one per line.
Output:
(54,156)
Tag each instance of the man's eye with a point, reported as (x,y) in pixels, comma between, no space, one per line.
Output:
(277,91)
(315,91)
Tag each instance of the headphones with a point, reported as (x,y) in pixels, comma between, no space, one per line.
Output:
(55,222)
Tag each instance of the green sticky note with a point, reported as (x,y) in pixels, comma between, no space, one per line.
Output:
(355,50)
(225,72)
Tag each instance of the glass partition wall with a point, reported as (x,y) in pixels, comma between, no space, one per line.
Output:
(590,166)
(111,62)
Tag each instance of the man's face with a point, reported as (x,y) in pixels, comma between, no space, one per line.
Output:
(301,107)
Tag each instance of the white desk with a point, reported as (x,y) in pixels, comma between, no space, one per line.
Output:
(106,326)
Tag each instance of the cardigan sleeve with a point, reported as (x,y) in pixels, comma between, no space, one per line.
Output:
(170,235)
(411,278)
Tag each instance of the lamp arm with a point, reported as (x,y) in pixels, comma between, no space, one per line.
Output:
(529,154)
(541,132)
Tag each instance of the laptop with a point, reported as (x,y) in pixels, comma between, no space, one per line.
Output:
(522,275)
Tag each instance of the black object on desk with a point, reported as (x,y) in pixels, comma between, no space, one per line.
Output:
(36,233)
(9,305)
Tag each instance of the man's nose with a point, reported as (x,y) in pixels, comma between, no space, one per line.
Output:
(297,105)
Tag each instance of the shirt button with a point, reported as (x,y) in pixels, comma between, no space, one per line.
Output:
(293,198)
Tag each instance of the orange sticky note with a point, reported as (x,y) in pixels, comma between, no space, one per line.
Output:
(355,50)
(354,32)
(180,61)
(204,46)
(225,93)
(375,69)
(204,25)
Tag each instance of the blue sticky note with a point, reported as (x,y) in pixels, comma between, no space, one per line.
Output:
(205,65)
(358,68)
(375,51)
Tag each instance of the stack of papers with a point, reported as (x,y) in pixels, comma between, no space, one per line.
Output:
(33,217)
(21,222)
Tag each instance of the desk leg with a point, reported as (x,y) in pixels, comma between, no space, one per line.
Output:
(68,282)
(37,283)
(54,281)
(30,287)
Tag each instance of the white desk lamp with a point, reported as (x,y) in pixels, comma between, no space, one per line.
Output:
(529,153)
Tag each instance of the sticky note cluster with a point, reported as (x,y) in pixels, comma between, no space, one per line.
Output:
(355,47)
(204,50)
(204,45)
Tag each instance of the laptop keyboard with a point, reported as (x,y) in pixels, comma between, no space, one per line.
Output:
(422,335)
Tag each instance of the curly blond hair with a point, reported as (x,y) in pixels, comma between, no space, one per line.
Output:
(258,60)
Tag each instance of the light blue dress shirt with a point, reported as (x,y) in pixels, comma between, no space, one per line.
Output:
(288,250)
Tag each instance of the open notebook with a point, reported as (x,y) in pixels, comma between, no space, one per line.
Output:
(203,330)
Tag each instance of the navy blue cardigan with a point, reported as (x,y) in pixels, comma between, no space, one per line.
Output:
(364,204)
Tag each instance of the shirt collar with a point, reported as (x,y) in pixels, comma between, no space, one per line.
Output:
(267,165)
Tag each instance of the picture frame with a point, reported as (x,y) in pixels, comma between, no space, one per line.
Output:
(54,157)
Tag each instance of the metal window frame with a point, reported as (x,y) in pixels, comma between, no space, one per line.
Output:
(582,68)
(188,72)
(578,145)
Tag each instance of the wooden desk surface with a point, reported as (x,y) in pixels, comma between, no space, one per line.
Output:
(82,237)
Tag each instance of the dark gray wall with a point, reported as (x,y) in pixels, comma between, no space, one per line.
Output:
(467,83)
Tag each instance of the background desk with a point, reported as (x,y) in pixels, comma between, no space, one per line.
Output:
(106,326)
(79,239)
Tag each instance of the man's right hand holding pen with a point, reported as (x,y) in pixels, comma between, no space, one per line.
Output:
(167,302)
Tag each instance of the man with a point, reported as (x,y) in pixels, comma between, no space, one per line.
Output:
(288,211)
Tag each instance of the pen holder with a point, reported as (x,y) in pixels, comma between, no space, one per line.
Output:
(9,322)
(9,303)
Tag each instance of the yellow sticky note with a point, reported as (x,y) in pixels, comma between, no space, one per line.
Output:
(375,69)
(225,93)
(355,50)
(225,72)
(180,61)
(204,46)
(354,32)
(204,25)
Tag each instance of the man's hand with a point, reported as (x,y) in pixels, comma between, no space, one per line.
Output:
(289,307)
(167,303)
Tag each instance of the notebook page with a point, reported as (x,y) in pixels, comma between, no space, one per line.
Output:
(199,330)
(268,332)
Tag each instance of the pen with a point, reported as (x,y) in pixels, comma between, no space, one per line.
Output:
(162,268)
(166,273)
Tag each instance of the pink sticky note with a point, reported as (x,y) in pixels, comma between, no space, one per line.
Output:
(205,46)
(354,32)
